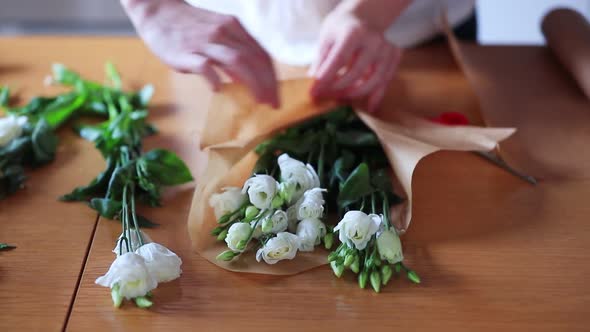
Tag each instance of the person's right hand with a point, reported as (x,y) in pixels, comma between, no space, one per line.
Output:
(193,40)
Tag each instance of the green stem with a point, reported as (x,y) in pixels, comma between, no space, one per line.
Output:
(386,216)
(134,216)
(126,230)
(373,204)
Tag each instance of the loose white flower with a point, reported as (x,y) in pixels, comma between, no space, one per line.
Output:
(230,200)
(161,262)
(310,233)
(133,242)
(261,190)
(11,127)
(276,223)
(235,234)
(311,204)
(282,246)
(130,272)
(390,247)
(356,228)
(294,171)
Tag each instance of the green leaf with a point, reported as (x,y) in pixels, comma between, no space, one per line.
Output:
(165,167)
(5,246)
(35,106)
(11,180)
(108,208)
(113,75)
(61,109)
(4,96)
(63,75)
(357,138)
(91,132)
(342,166)
(44,142)
(356,186)
(97,187)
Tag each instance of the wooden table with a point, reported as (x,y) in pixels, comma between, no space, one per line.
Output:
(494,253)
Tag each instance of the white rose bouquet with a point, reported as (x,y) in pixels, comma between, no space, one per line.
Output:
(282,210)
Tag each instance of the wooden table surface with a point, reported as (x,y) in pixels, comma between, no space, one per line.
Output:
(494,253)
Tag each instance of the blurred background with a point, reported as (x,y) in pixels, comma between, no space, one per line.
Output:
(499,21)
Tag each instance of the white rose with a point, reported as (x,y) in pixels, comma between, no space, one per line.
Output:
(161,261)
(235,234)
(230,200)
(261,190)
(276,223)
(11,127)
(294,171)
(310,233)
(282,246)
(390,247)
(131,274)
(133,242)
(311,204)
(356,228)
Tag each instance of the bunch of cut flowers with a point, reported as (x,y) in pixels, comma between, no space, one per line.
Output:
(326,180)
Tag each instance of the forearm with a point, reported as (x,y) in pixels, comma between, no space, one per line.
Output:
(378,13)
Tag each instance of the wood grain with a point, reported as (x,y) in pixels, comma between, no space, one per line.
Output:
(494,253)
(38,279)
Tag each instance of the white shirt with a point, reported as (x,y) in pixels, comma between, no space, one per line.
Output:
(289,29)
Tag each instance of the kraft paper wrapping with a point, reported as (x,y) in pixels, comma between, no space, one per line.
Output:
(236,124)
(568,35)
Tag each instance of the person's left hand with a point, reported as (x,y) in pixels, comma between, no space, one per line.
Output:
(355,61)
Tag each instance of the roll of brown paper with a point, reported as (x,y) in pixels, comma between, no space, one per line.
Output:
(568,35)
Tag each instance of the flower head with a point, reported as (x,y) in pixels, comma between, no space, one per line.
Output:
(282,246)
(162,263)
(356,228)
(302,176)
(261,190)
(11,127)
(237,233)
(230,200)
(390,247)
(130,273)
(310,233)
(311,204)
(275,223)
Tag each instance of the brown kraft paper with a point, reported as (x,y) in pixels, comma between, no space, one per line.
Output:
(236,124)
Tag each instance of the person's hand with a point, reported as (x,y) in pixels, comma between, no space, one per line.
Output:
(355,61)
(193,40)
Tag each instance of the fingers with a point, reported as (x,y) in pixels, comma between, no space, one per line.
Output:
(197,64)
(364,60)
(338,56)
(322,54)
(243,67)
(376,98)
